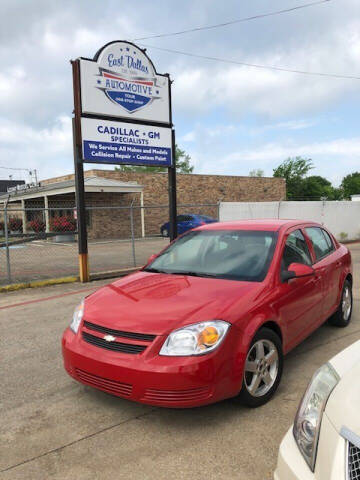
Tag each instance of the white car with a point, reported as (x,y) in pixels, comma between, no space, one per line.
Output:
(324,442)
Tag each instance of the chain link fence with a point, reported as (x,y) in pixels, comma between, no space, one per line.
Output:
(40,242)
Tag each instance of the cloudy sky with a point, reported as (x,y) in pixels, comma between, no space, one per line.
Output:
(229,118)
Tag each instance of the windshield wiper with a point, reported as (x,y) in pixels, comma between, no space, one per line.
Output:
(153,270)
(193,274)
(181,272)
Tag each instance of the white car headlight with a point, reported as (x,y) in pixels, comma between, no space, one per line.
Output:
(77,317)
(308,417)
(195,339)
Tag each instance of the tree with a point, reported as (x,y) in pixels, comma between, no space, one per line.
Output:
(256,173)
(316,187)
(350,184)
(182,165)
(294,170)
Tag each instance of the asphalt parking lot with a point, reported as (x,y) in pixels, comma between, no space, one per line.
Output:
(53,427)
(40,260)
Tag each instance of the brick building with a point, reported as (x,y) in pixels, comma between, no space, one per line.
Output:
(107,189)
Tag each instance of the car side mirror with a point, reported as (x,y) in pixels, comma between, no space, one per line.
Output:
(296,270)
(151,258)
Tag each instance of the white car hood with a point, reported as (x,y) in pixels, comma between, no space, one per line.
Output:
(342,408)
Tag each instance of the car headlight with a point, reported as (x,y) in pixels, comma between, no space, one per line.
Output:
(308,417)
(77,317)
(195,339)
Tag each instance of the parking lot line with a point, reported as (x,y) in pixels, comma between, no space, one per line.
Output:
(52,297)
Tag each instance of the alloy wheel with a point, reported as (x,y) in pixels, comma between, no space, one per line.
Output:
(346,303)
(261,368)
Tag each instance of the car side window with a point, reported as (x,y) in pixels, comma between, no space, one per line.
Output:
(321,245)
(295,250)
(181,218)
(329,240)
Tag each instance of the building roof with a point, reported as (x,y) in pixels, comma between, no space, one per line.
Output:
(5,184)
(92,184)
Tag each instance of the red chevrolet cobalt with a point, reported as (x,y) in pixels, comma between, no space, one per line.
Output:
(212,315)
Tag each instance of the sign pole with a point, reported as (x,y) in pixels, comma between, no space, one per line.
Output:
(79,180)
(172,191)
(81,217)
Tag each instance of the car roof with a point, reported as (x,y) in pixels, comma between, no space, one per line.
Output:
(266,224)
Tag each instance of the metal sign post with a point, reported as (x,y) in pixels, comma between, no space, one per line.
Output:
(172,191)
(122,115)
(79,179)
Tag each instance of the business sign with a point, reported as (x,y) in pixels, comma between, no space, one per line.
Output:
(122,82)
(105,141)
(22,186)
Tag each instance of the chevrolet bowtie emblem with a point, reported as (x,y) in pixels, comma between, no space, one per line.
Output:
(109,338)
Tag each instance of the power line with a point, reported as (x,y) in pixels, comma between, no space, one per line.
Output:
(253,65)
(13,168)
(232,22)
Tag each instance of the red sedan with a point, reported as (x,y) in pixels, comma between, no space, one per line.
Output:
(212,315)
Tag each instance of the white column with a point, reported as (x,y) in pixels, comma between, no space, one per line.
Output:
(142,214)
(24,220)
(47,216)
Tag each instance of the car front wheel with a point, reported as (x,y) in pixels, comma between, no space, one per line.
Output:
(164,232)
(262,370)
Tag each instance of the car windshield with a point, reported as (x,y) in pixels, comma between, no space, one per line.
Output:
(236,255)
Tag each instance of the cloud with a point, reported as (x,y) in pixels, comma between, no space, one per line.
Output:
(48,149)
(326,155)
(221,111)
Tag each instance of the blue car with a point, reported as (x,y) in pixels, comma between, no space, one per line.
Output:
(186,222)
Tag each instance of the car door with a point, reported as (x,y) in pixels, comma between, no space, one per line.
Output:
(299,300)
(328,264)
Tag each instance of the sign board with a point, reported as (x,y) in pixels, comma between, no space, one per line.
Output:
(22,186)
(122,82)
(106,141)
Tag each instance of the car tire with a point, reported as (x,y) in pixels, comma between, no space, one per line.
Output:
(342,316)
(164,232)
(262,369)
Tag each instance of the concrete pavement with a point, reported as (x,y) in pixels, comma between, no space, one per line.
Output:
(53,427)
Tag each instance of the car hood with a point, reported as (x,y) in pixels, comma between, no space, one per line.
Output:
(158,303)
(343,405)
(342,408)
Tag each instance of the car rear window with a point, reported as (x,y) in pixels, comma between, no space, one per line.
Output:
(321,242)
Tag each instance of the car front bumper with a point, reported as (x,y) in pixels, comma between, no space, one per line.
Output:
(151,378)
(330,459)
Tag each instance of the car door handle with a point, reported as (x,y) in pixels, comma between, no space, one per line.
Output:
(339,263)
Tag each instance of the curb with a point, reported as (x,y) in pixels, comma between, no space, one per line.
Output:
(38,284)
(63,280)
(113,273)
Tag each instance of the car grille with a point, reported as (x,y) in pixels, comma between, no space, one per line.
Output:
(353,462)
(137,342)
(109,386)
(115,346)
(145,337)
(169,396)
